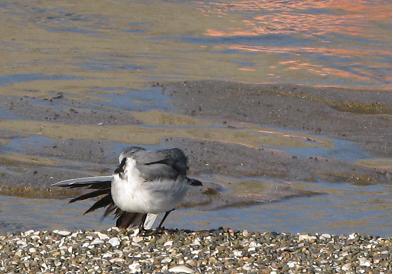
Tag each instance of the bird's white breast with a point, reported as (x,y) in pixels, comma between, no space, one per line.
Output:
(132,193)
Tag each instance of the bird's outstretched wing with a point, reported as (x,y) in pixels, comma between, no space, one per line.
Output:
(92,182)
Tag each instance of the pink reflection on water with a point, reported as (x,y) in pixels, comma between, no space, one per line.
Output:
(306,17)
(321,70)
(321,50)
(358,32)
(247,69)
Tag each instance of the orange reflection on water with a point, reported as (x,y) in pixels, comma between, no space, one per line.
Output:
(247,69)
(320,50)
(303,17)
(322,70)
(344,40)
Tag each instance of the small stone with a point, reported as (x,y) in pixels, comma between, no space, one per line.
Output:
(346,267)
(168,243)
(135,232)
(97,242)
(291,264)
(191,262)
(326,236)
(245,233)
(364,262)
(246,267)
(102,236)
(254,244)
(237,253)
(181,269)
(114,228)
(212,260)
(196,242)
(28,232)
(21,243)
(137,239)
(32,250)
(114,242)
(62,232)
(305,237)
(117,260)
(352,236)
(107,255)
(166,260)
(134,267)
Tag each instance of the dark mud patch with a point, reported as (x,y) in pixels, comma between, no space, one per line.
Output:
(360,116)
(236,160)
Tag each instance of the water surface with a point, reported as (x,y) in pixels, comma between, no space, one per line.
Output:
(329,43)
(342,209)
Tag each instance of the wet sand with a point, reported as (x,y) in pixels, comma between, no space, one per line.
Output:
(361,116)
(228,129)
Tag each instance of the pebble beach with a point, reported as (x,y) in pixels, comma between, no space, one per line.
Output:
(180,251)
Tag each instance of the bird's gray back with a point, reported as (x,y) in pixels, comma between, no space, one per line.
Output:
(160,164)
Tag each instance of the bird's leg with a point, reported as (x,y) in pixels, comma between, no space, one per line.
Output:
(142,224)
(165,216)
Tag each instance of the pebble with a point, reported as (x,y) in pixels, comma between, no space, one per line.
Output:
(346,267)
(166,260)
(62,232)
(97,242)
(326,236)
(135,267)
(102,236)
(364,262)
(114,242)
(306,237)
(137,239)
(169,243)
(179,251)
(181,269)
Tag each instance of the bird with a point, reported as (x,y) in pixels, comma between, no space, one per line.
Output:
(145,184)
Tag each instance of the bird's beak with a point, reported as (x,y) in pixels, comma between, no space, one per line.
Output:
(195,182)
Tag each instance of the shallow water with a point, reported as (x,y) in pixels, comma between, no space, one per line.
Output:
(341,150)
(329,43)
(343,209)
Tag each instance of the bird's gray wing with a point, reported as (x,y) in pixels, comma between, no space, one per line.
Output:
(85,181)
(161,164)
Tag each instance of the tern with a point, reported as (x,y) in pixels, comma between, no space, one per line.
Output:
(145,184)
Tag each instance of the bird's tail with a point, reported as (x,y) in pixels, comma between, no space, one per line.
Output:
(101,189)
